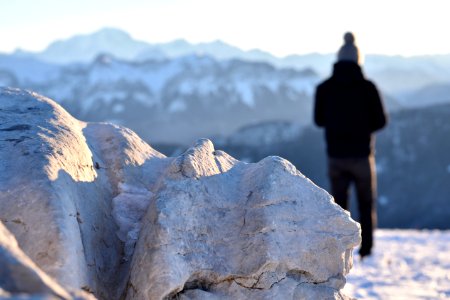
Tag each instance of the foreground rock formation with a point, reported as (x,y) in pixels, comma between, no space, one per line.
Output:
(97,209)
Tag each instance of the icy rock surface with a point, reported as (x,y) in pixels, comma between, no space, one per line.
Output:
(222,229)
(97,209)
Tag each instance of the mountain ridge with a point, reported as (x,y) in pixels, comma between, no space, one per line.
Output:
(395,74)
(225,94)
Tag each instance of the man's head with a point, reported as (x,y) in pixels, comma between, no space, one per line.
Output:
(348,51)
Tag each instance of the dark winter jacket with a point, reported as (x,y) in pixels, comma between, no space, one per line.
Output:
(350,109)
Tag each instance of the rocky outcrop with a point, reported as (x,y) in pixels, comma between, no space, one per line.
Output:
(57,178)
(98,209)
(220,228)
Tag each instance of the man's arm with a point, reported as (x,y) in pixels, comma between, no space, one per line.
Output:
(379,117)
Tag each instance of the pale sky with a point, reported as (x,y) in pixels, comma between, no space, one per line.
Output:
(282,27)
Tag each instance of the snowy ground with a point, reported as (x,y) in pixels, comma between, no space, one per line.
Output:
(406,264)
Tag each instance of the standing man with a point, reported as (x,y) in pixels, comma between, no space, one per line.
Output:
(350,109)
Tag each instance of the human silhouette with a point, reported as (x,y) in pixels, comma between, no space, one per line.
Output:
(350,109)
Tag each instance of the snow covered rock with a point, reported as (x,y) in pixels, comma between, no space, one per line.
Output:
(222,229)
(98,209)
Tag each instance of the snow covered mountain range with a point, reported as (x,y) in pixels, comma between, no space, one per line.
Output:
(395,74)
(198,96)
(213,87)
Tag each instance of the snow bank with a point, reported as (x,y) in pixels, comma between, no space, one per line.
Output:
(405,264)
(79,196)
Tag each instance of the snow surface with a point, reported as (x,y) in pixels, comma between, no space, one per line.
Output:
(405,264)
(246,93)
(155,76)
(177,106)
(28,69)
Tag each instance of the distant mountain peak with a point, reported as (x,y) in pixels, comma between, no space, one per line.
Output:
(179,43)
(86,47)
(111,31)
(102,35)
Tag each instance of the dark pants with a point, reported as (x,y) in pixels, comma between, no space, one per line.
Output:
(360,171)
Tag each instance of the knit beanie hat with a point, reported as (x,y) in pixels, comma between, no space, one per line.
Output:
(349,52)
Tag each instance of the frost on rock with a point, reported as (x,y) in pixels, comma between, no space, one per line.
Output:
(97,209)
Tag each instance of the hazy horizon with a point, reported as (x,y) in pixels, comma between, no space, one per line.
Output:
(282,28)
(202,42)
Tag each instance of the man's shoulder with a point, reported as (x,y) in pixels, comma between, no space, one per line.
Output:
(369,83)
(325,83)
